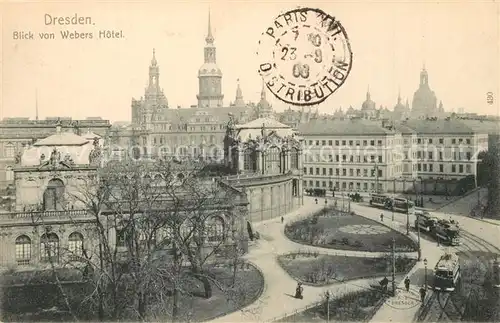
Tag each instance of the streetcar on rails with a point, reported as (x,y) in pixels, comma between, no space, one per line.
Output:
(446,232)
(402,205)
(380,200)
(447,272)
(425,221)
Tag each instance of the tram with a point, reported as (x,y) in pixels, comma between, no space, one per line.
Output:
(380,200)
(447,273)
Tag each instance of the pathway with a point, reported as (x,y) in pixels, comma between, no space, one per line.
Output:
(276,301)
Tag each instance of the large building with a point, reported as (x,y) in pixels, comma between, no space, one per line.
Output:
(424,104)
(51,221)
(493,206)
(195,131)
(16,134)
(429,156)
(267,156)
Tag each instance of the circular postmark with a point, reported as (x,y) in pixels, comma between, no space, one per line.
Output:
(364,229)
(304,56)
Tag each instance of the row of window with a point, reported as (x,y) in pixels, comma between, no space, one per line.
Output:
(344,142)
(457,155)
(345,158)
(454,168)
(342,185)
(338,172)
(272,159)
(49,248)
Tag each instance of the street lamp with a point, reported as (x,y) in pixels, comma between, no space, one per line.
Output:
(418,235)
(393,196)
(327,295)
(425,277)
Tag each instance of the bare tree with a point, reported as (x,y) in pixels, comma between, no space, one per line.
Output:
(154,224)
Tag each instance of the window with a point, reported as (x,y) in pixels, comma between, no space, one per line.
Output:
(460,168)
(467,169)
(351,172)
(440,155)
(323,142)
(324,171)
(430,155)
(49,247)
(379,142)
(441,141)
(248,160)
(372,142)
(273,162)
(379,173)
(430,140)
(431,167)
(468,155)
(467,141)
(343,142)
(336,142)
(419,141)
(294,156)
(453,168)
(9,150)
(23,250)
(365,172)
(53,195)
(453,141)
(324,183)
(305,170)
(379,159)
(75,245)
(317,171)
(364,142)
(311,171)
(330,142)
(215,229)
(350,142)
(441,168)
(330,171)
(317,142)
(419,167)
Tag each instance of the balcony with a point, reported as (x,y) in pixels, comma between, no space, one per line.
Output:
(48,214)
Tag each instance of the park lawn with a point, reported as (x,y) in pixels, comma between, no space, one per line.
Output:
(43,301)
(319,270)
(353,307)
(323,231)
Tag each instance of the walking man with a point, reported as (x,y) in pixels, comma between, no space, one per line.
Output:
(407,284)
(282,219)
(382,217)
(422,293)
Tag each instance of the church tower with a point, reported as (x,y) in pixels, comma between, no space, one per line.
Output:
(210,76)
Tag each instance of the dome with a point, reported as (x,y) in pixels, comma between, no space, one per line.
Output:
(210,69)
(369,104)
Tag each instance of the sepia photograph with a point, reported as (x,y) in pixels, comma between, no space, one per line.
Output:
(250,161)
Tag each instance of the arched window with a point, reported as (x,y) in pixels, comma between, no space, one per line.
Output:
(215,229)
(273,160)
(294,158)
(54,195)
(49,247)
(249,160)
(23,250)
(75,245)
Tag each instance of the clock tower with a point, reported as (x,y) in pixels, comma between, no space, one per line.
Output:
(210,76)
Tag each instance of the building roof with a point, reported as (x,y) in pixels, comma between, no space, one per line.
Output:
(438,126)
(261,127)
(403,128)
(62,139)
(183,115)
(482,126)
(343,127)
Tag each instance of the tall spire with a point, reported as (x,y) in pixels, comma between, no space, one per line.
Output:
(239,96)
(368,92)
(36,104)
(263,91)
(210,37)
(153,60)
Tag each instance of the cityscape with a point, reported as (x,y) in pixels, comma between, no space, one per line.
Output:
(243,212)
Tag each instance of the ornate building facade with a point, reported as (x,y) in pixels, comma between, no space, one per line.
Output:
(18,133)
(267,155)
(50,222)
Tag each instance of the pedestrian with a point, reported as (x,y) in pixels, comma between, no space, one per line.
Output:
(316,200)
(382,217)
(407,284)
(282,219)
(422,294)
(383,283)
(299,290)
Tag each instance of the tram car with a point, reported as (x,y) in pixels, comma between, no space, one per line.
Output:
(447,273)
(380,200)
(447,232)
(402,205)
(425,221)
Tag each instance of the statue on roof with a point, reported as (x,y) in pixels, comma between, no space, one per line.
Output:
(96,154)
(55,158)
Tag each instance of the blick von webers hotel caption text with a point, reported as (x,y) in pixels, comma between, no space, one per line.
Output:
(87,30)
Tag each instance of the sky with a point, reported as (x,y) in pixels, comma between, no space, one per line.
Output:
(457,41)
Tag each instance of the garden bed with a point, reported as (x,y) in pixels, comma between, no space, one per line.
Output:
(319,270)
(42,300)
(331,229)
(353,307)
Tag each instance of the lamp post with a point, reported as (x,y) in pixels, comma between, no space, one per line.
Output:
(418,235)
(375,168)
(407,220)
(393,196)
(327,294)
(425,273)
